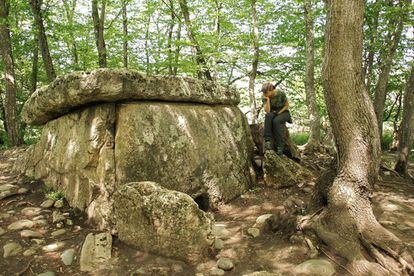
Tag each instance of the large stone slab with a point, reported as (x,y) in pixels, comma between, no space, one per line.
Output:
(199,150)
(78,89)
(75,155)
(161,221)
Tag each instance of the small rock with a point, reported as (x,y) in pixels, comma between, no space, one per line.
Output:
(261,273)
(2,231)
(31,211)
(96,249)
(69,222)
(58,204)
(58,232)
(7,187)
(387,173)
(67,256)
(216,271)
(53,246)
(47,203)
(57,216)
(11,212)
(38,241)
(21,224)
(319,267)
(220,231)
(29,252)
(225,264)
(22,191)
(30,234)
(11,249)
(4,216)
(253,231)
(47,273)
(265,222)
(38,218)
(59,225)
(218,244)
(40,222)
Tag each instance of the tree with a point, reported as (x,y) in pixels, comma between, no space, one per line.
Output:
(203,70)
(98,26)
(347,222)
(44,46)
(407,127)
(314,121)
(70,6)
(253,72)
(11,122)
(125,32)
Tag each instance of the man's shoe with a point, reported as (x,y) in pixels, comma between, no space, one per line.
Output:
(268,145)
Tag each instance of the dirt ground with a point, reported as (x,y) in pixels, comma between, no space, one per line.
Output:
(275,252)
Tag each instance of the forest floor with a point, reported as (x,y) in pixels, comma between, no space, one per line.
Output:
(278,253)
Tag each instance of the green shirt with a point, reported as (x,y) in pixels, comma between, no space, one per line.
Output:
(277,102)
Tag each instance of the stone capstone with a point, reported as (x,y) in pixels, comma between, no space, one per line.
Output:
(157,220)
(111,85)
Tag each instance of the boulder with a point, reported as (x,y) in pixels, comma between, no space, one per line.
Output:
(281,171)
(157,220)
(70,91)
(96,251)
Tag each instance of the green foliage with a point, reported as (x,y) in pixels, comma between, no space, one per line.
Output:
(300,138)
(50,193)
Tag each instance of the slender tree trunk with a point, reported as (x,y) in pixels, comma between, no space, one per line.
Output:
(44,46)
(11,89)
(385,69)
(314,120)
(347,223)
(200,59)
(371,53)
(170,36)
(396,130)
(177,50)
(147,54)
(35,64)
(255,63)
(407,127)
(70,12)
(98,25)
(125,32)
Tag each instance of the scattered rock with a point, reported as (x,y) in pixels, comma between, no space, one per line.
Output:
(57,216)
(69,222)
(319,267)
(58,232)
(2,231)
(40,222)
(261,273)
(22,191)
(29,252)
(225,264)
(47,203)
(254,232)
(216,272)
(7,194)
(58,204)
(11,249)
(218,244)
(38,241)
(6,187)
(220,231)
(21,224)
(30,234)
(31,211)
(38,218)
(67,256)
(47,273)
(163,222)
(53,246)
(96,249)
(265,222)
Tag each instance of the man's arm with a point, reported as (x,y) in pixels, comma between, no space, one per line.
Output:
(267,105)
(286,106)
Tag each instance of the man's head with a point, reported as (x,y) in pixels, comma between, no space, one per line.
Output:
(268,89)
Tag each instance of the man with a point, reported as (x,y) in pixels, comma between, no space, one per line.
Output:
(277,114)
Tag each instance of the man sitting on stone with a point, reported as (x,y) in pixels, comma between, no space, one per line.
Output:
(277,114)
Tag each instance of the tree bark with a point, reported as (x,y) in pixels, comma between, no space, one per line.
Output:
(36,6)
(314,120)
(347,223)
(11,122)
(125,32)
(385,69)
(202,70)
(255,63)
(35,64)
(406,129)
(98,26)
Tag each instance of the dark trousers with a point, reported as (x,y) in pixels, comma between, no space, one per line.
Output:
(273,127)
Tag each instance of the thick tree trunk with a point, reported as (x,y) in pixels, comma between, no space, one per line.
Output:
(407,127)
(314,120)
(125,32)
(98,26)
(11,122)
(203,70)
(44,46)
(255,63)
(347,223)
(385,69)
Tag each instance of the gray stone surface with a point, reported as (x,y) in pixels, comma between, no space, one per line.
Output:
(254,232)
(2,231)
(58,232)
(319,267)
(216,272)
(110,85)
(31,211)
(30,234)
(96,249)
(11,249)
(161,221)
(47,203)
(68,256)
(21,224)
(225,264)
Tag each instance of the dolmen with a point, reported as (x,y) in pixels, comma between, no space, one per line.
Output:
(143,156)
